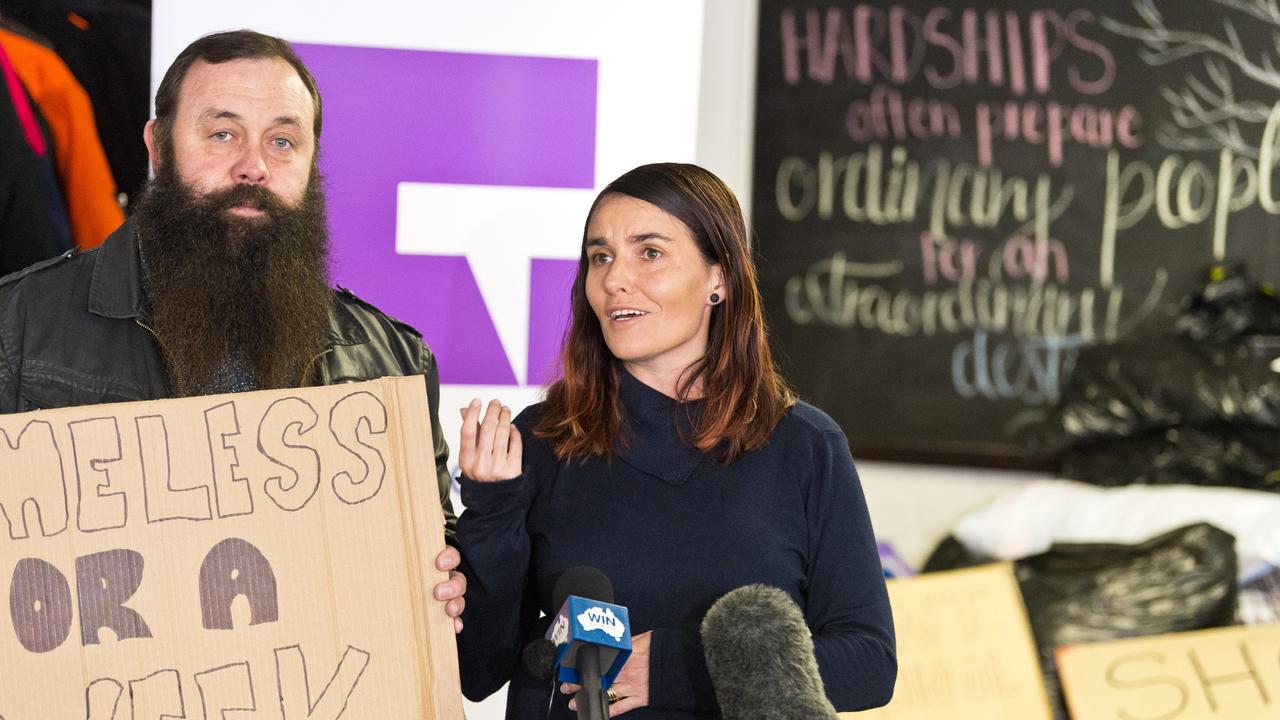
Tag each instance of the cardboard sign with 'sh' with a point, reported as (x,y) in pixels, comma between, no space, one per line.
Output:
(965,649)
(262,555)
(1217,674)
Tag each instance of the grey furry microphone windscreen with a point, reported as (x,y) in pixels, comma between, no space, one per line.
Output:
(760,656)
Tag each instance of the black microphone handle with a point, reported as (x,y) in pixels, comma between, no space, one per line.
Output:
(591,702)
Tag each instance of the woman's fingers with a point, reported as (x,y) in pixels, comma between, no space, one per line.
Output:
(488,427)
(501,437)
(624,705)
(467,443)
(515,453)
(489,448)
(506,447)
(504,426)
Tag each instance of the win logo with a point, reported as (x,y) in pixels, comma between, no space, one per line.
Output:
(603,619)
(559,634)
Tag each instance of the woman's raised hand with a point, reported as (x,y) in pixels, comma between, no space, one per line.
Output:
(489,449)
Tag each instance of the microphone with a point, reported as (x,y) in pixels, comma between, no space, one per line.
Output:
(592,637)
(540,657)
(760,656)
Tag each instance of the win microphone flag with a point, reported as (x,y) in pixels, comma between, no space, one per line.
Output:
(583,621)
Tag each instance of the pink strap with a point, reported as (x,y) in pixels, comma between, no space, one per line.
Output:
(30,126)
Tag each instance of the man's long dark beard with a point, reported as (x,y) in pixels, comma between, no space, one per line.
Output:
(228,293)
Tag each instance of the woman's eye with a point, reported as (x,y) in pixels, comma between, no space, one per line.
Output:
(599,258)
(650,253)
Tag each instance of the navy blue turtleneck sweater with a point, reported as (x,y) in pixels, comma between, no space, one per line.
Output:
(675,530)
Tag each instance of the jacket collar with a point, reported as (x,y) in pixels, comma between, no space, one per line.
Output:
(344,329)
(653,424)
(115,289)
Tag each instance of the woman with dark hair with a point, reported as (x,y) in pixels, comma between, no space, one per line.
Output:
(672,456)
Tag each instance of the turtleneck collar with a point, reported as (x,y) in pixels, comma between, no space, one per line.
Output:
(654,445)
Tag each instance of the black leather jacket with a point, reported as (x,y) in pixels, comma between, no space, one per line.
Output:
(73,331)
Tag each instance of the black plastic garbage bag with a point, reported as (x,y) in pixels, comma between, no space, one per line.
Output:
(1193,399)
(1182,580)
(1240,458)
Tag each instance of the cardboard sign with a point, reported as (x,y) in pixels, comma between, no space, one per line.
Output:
(1202,675)
(258,555)
(965,649)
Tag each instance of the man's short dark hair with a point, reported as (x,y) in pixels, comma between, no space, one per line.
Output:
(219,48)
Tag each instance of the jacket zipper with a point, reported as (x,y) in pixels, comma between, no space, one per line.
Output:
(164,352)
(147,327)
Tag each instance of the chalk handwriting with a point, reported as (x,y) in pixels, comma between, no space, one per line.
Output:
(1024,52)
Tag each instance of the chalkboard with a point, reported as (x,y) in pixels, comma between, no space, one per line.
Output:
(951,201)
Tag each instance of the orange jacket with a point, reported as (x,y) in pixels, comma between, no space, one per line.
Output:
(82,165)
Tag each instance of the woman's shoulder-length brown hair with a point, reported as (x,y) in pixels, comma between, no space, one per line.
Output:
(744,394)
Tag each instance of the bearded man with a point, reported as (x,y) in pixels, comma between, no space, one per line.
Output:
(218,281)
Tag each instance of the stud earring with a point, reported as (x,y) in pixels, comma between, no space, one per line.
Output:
(714,298)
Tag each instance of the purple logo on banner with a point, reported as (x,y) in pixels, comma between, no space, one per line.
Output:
(393,116)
